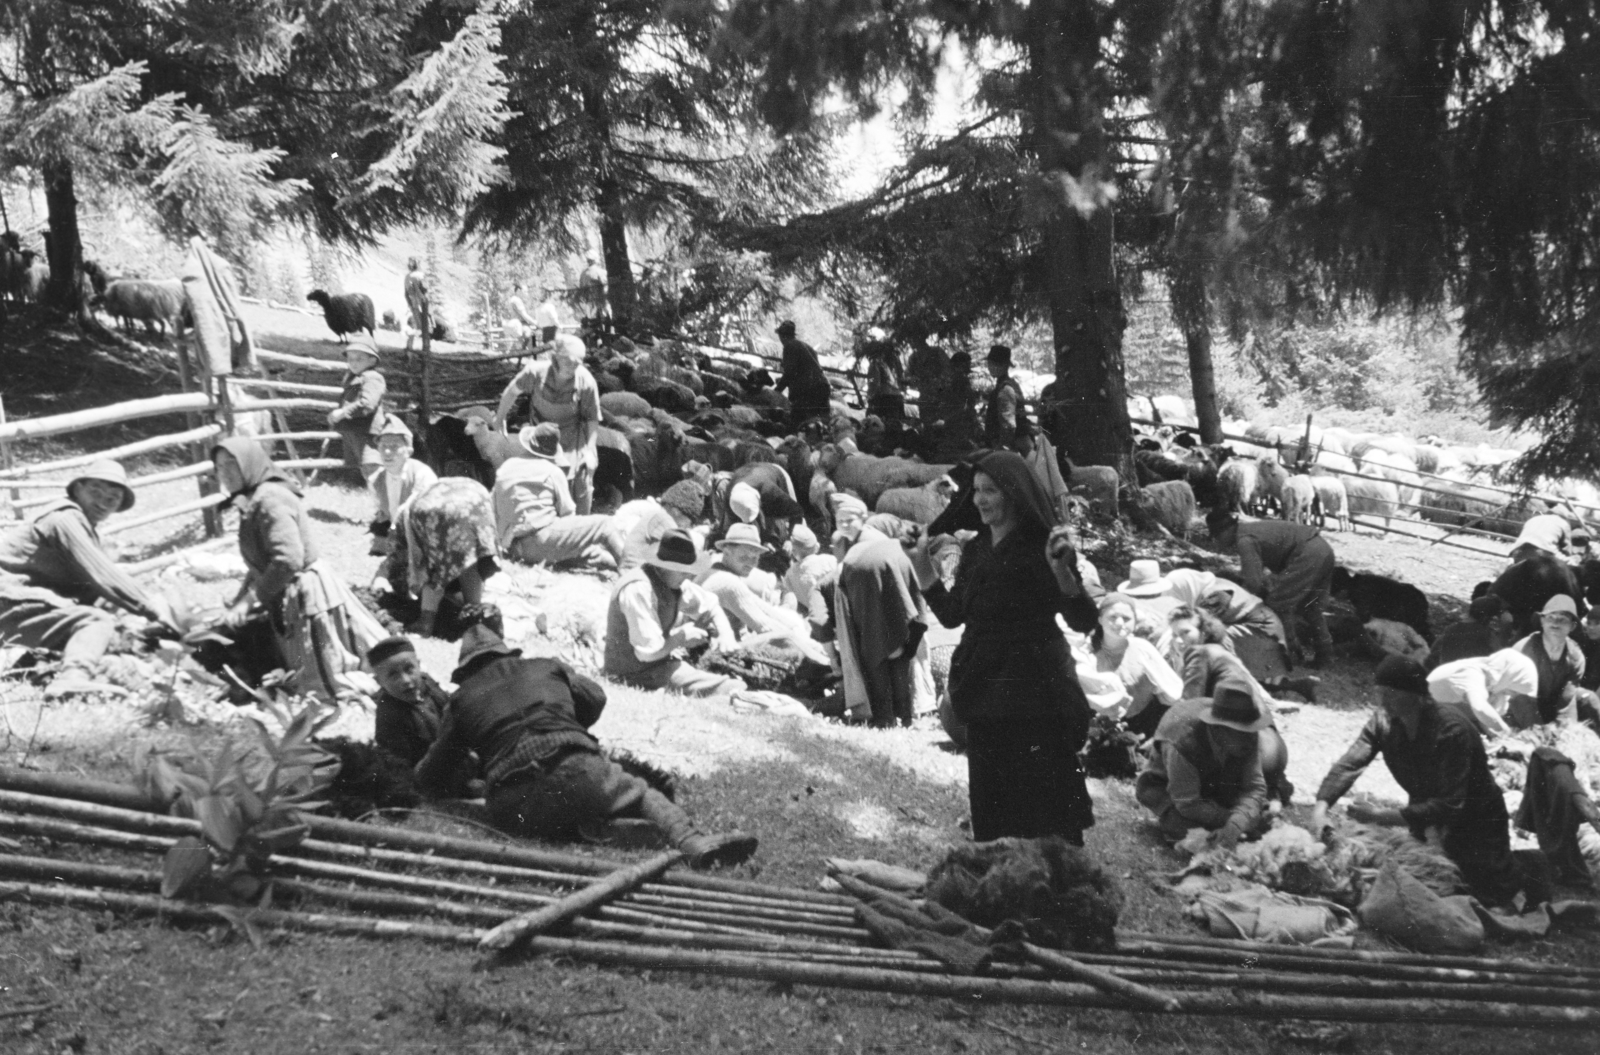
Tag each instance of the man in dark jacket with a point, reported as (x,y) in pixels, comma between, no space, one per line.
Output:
(803,379)
(528,720)
(1291,566)
(1435,753)
(1485,630)
(1005,418)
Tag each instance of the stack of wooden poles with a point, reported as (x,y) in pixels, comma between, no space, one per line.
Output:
(386,882)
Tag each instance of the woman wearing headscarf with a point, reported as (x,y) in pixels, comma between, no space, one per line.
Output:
(1012,678)
(53,570)
(563,392)
(323,631)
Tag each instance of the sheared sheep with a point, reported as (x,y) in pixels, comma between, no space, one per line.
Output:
(1236,484)
(868,476)
(624,405)
(1334,501)
(154,303)
(1373,498)
(347,313)
(921,505)
(1298,497)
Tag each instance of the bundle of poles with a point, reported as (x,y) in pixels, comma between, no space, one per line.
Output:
(500,898)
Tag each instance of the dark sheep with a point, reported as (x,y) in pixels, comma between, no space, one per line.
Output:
(772,483)
(1380,597)
(347,313)
(156,304)
(613,477)
(1169,504)
(1528,584)
(657,455)
(688,496)
(665,395)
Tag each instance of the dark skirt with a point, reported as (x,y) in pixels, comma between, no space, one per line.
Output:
(1024,780)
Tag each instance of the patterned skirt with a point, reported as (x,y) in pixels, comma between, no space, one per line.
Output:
(448,529)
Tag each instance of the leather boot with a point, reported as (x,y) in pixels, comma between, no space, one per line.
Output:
(717,851)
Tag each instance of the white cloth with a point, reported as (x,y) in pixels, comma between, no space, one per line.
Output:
(1548,532)
(1125,685)
(645,632)
(629,514)
(1188,585)
(1482,686)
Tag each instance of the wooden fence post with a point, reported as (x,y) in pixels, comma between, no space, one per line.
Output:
(207,484)
(6,462)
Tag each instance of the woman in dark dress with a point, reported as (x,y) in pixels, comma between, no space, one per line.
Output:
(1012,678)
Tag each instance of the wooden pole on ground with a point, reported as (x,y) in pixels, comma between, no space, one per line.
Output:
(1105,981)
(509,934)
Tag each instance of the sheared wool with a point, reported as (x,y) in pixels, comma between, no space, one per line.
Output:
(1055,891)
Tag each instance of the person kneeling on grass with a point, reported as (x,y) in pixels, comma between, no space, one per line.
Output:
(1434,752)
(53,570)
(534,511)
(1204,769)
(655,611)
(529,720)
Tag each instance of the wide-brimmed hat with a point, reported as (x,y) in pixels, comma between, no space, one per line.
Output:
(107,472)
(1234,706)
(542,440)
(1561,604)
(476,642)
(1144,580)
(999,353)
(676,552)
(743,535)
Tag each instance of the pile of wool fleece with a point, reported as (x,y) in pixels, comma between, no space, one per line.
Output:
(1057,892)
(1291,859)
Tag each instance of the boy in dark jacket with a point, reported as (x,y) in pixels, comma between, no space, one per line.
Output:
(528,720)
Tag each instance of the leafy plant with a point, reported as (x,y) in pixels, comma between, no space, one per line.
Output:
(248,799)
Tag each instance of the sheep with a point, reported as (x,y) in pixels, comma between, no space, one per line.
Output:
(1333,501)
(1396,467)
(151,302)
(624,405)
(1380,597)
(613,476)
(35,281)
(1297,498)
(921,505)
(1387,637)
(1236,484)
(347,313)
(1169,505)
(869,476)
(657,454)
(1270,478)
(1329,462)
(665,395)
(96,276)
(1375,497)
(1098,484)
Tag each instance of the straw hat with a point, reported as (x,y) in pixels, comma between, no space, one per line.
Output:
(1144,580)
(542,440)
(108,472)
(743,535)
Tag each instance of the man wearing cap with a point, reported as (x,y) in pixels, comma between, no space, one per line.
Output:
(1291,566)
(53,570)
(1204,767)
(655,611)
(1486,629)
(1436,755)
(728,580)
(881,617)
(1481,687)
(1005,418)
(534,512)
(529,721)
(409,711)
(360,413)
(802,379)
(1560,663)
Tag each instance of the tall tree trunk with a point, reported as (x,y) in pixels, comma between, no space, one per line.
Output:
(63,246)
(620,288)
(1081,289)
(1191,309)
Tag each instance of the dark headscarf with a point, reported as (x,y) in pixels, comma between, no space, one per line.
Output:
(254,465)
(1021,488)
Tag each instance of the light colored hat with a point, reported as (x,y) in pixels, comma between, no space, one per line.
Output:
(1144,580)
(394,426)
(843,503)
(1561,604)
(542,440)
(743,535)
(107,472)
(365,345)
(803,538)
(571,346)
(744,502)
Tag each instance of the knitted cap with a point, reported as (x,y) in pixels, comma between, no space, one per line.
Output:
(388,648)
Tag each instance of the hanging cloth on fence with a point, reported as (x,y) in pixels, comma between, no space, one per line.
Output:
(213,303)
